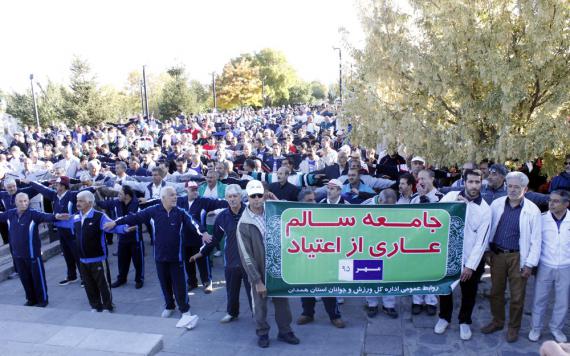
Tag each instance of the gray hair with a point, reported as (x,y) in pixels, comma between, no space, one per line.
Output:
(9,181)
(523,179)
(22,194)
(85,177)
(86,195)
(233,189)
(165,191)
(123,165)
(387,194)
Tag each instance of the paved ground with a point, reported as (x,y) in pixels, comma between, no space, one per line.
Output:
(138,311)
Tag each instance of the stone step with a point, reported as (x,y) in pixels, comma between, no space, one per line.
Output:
(34,330)
(49,250)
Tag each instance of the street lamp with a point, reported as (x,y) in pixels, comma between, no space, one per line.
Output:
(213,74)
(339,71)
(145,95)
(35,102)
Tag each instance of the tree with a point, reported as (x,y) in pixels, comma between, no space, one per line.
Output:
(239,85)
(276,72)
(176,96)
(300,93)
(319,91)
(462,80)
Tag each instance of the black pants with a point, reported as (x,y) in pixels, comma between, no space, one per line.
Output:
(468,295)
(4,232)
(33,277)
(203,264)
(97,286)
(131,251)
(171,277)
(234,276)
(69,249)
(330,304)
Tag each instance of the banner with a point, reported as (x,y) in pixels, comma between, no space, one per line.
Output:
(362,250)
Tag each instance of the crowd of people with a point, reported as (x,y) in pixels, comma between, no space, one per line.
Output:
(197,184)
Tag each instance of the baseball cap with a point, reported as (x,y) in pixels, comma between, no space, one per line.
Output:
(499,168)
(418,159)
(191,184)
(334,183)
(63,180)
(254,187)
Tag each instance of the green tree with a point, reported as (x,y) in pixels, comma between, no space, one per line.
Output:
(20,106)
(276,73)
(239,85)
(319,91)
(462,80)
(300,93)
(176,96)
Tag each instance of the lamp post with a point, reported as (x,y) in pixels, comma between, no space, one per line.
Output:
(339,72)
(35,102)
(145,95)
(141,86)
(214,90)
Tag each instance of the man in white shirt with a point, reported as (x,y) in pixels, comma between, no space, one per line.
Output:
(553,268)
(69,162)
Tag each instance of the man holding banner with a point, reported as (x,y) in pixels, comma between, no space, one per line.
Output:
(475,240)
(250,235)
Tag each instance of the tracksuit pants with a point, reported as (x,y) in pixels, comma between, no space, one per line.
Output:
(234,276)
(171,277)
(468,296)
(130,251)
(97,284)
(331,306)
(203,264)
(69,249)
(33,277)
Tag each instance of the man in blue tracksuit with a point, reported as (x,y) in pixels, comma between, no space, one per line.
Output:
(226,226)
(197,207)
(63,201)
(26,247)
(131,246)
(168,222)
(89,230)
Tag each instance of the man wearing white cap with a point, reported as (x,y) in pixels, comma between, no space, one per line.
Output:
(250,236)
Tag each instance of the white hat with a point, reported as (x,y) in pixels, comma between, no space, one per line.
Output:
(254,187)
(418,159)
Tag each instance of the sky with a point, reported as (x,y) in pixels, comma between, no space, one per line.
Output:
(117,37)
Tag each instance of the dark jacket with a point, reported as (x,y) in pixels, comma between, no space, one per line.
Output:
(226,226)
(168,229)
(287,192)
(117,210)
(24,237)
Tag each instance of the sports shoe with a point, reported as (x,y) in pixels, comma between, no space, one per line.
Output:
(304,319)
(464,331)
(339,323)
(372,311)
(263,341)
(534,335)
(431,309)
(82,284)
(139,284)
(440,327)
(208,288)
(186,319)
(166,313)
(13,275)
(217,253)
(227,318)
(289,338)
(391,312)
(29,304)
(559,336)
(193,322)
(93,310)
(67,281)
(117,283)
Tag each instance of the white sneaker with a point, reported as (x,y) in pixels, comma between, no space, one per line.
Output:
(93,310)
(559,336)
(166,313)
(187,320)
(227,318)
(340,300)
(217,253)
(440,327)
(464,331)
(534,335)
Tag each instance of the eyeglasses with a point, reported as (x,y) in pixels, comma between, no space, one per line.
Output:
(258,196)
